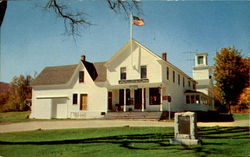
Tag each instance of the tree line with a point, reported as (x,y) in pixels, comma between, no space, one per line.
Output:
(18,95)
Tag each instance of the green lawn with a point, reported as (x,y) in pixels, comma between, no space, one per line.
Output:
(7,117)
(124,142)
(241,116)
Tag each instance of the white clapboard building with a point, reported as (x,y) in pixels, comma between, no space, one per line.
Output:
(134,79)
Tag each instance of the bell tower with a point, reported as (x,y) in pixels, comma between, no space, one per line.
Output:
(203,74)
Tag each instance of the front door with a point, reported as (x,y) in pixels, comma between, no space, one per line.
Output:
(138,98)
(110,101)
(84,102)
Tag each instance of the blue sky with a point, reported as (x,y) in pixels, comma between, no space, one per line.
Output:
(32,38)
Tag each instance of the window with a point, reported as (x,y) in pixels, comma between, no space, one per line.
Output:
(197,99)
(154,96)
(183,82)
(167,73)
(128,99)
(200,59)
(173,76)
(121,96)
(179,79)
(123,73)
(81,76)
(74,99)
(187,99)
(192,99)
(143,71)
(189,84)
(194,86)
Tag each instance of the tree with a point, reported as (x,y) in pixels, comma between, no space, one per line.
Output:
(19,92)
(74,19)
(231,75)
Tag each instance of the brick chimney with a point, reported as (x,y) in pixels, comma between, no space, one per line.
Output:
(83,58)
(164,56)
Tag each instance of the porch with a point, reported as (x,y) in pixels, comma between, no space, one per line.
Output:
(143,97)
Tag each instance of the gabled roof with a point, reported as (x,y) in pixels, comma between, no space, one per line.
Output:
(55,75)
(119,52)
(59,75)
(101,71)
(150,52)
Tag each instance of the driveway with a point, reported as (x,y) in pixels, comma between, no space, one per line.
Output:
(72,124)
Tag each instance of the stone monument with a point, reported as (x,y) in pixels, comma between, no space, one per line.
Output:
(185,129)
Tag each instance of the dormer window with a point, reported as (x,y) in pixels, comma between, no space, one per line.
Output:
(123,74)
(81,76)
(200,60)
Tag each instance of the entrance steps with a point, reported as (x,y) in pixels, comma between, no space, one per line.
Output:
(134,115)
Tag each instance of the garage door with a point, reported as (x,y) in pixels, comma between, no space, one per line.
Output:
(59,108)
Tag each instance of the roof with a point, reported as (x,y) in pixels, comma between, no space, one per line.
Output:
(101,71)
(58,75)
(97,70)
(55,75)
(193,92)
(91,69)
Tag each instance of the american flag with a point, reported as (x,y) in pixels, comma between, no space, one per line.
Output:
(138,21)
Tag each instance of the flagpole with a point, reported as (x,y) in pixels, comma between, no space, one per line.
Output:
(131,37)
(131,26)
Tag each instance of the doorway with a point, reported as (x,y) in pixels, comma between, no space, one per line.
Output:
(110,101)
(84,102)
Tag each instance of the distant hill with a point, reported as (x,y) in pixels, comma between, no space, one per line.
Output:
(4,87)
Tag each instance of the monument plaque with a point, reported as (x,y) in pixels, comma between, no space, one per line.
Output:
(185,129)
(184,124)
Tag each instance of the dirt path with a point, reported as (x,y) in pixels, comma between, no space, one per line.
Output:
(70,124)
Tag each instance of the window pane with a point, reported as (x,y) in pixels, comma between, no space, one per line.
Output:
(123,73)
(188,99)
(173,76)
(192,99)
(200,59)
(167,73)
(128,99)
(74,98)
(197,99)
(143,71)
(183,81)
(81,76)
(154,96)
(179,79)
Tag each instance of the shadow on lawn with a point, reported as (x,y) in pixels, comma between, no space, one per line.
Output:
(212,136)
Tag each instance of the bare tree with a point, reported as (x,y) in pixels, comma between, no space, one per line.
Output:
(73,20)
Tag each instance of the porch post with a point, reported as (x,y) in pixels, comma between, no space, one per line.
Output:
(142,104)
(161,107)
(124,96)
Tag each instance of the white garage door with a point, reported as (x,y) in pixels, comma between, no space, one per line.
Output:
(59,108)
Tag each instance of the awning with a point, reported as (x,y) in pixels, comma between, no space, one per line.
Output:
(53,97)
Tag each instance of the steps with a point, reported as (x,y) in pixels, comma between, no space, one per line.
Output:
(133,115)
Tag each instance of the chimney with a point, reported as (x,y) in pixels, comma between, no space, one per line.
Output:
(164,56)
(83,58)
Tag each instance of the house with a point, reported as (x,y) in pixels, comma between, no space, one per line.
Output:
(134,79)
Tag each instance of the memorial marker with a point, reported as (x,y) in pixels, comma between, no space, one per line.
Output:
(185,129)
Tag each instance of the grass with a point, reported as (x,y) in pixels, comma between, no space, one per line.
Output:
(241,116)
(10,117)
(124,142)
